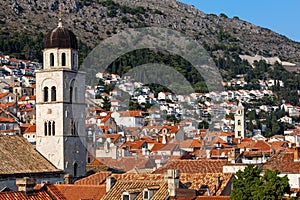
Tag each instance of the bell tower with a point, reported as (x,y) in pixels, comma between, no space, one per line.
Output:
(239,122)
(60,103)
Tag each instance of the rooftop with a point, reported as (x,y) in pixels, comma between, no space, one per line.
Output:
(19,156)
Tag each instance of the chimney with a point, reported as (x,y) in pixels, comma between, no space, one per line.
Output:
(296,154)
(110,182)
(68,179)
(172,177)
(233,155)
(26,185)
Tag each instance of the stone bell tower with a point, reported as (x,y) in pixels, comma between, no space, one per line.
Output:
(60,103)
(239,122)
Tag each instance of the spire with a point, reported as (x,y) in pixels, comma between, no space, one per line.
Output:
(60,20)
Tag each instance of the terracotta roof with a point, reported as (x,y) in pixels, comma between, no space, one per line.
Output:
(17,155)
(3,94)
(283,162)
(133,145)
(6,120)
(136,183)
(31,129)
(18,195)
(210,180)
(194,166)
(157,147)
(278,145)
(131,113)
(216,153)
(192,181)
(226,134)
(94,179)
(129,163)
(186,143)
(75,192)
(25,98)
(6,105)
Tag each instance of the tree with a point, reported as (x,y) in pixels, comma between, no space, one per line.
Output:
(203,124)
(250,185)
(106,104)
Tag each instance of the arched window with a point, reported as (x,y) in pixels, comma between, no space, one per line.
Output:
(49,128)
(46,95)
(45,128)
(63,59)
(239,122)
(53,93)
(73,60)
(71,94)
(51,59)
(75,169)
(53,128)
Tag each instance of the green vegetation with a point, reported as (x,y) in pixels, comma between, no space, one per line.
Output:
(250,185)
(22,45)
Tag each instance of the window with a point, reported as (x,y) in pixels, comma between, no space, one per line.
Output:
(51,59)
(146,195)
(73,60)
(71,94)
(75,169)
(49,128)
(125,197)
(63,59)
(46,94)
(45,128)
(239,122)
(53,93)
(239,133)
(53,128)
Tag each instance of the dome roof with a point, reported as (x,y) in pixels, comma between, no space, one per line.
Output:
(60,37)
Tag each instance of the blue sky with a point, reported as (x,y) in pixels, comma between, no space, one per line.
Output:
(281,16)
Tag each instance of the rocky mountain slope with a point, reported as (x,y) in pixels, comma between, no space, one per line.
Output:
(94,20)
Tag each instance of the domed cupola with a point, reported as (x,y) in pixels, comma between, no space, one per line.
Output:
(60,37)
(60,49)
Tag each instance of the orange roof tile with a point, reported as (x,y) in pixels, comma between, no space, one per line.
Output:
(18,195)
(3,94)
(131,113)
(94,179)
(6,120)
(194,166)
(283,162)
(157,147)
(25,98)
(75,192)
(6,105)
(31,129)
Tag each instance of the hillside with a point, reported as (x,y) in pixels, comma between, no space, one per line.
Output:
(94,20)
